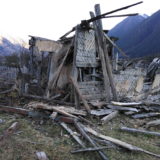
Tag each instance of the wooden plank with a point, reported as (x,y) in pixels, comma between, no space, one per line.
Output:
(89,139)
(89,149)
(134,130)
(101,112)
(109,117)
(119,142)
(146,115)
(51,108)
(75,70)
(76,138)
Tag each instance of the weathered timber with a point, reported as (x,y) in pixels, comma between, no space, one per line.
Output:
(89,149)
(75,70)
(101,112)
(89,139)
(51,108)
(126,103)
(103,63)
(134,130)
(146,115)
(119,142)
(104,46)
(119,108)
(7,133)
(14,110)
(153,123)
(80,95)
(76,138)
(109,117)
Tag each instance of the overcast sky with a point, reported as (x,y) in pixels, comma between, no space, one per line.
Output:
(52,18)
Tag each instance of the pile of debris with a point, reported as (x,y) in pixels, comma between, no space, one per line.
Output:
(77,79)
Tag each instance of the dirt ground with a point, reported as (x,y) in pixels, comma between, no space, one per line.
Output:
(36,135)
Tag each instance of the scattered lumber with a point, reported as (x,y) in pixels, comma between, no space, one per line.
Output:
(133,130)
(146,115)
(109,117)
(7,133)
(89,139)
(119,143)
(75,137)
(51,108)
(153,123)
(89,149)
(67,109)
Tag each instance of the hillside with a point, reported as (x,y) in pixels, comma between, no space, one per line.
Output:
(139,35)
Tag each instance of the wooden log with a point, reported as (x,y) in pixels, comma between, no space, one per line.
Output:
(76,138)
(75,69)
(53,108)
(153,123)
(86,136)
(109,117)
(119,142)
(89,149)
(14,110)
(103,63)
(145,115)
(80,95)
(119,108)
(133,130)
(104,46)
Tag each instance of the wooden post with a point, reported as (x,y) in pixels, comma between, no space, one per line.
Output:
(101,54)
(75,71)
(108,65)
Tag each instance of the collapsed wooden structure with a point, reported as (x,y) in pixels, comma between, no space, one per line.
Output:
(81,62)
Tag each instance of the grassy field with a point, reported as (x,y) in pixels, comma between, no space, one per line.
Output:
(37,135)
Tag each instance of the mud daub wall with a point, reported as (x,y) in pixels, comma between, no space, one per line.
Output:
(126,82)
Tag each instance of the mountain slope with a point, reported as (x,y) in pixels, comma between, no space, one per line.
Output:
(140,37)
(8,48)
